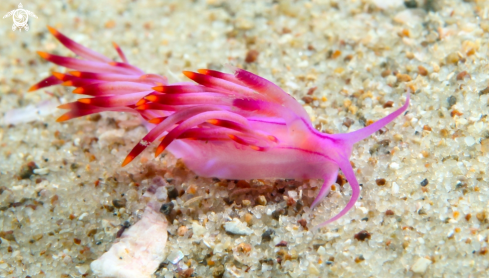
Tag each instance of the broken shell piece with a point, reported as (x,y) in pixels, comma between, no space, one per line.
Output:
(138,252)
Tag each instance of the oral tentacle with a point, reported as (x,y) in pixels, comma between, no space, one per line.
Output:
(329,180)
(347,170)
(358,135)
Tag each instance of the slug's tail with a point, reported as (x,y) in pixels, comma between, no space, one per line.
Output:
(347,170)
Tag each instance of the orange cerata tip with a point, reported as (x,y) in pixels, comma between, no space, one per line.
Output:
(63,118)
(53,31)
(159,150)
(68,83)
(128,160)
(213,121)
(33,88)
(75,73)
(79,90)
(64,106)
(141,102)
(255,148)
(155,120)
(85,100)
(272,138)
(160,89)
(203,71)
(232,136)
(43,55)
(189,74)
(115,45)
(151,98)
(59,75)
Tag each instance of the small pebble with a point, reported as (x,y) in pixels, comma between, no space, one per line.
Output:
(248,218)
(422,71)
(380,182)
(244,247)
(421,265)
(167,208)
(462,75)
(388,104)
(27,170)
(389,212)
(172,192)
(451,101)
(394,165)
(385,73)
(359,259)
(282,243)
(251,56)
(470,141)
(299,206)
(267,235)
(307,99)
(395,188)
(452,58)
(348,122)
(424,182)
(444,133)
(484,92)
(303,223)
(411,4)
(276,213)
(261,200)
(175,256)
(182,230)
(237,227)
(481,216)
(41,171)
(119,203)
(362,235)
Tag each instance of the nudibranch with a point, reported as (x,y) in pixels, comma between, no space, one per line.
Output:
(229,126)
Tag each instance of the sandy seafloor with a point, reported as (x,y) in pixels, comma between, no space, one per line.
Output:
(360,55)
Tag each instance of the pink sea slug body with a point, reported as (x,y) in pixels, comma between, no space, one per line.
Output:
(230,126)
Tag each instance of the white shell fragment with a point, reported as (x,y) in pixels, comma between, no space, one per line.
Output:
(139,250)
(175,256)
(30,113)
(421,265)
(237,227)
